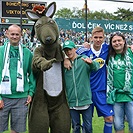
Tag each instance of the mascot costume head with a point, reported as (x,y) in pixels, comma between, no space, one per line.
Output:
(49,111)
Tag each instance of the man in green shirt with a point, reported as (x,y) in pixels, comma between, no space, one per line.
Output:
(17,83)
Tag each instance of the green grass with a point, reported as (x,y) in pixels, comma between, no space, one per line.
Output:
(98,123)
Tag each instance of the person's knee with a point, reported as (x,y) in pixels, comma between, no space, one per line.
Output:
(118,128)
(119,125)
(108,119)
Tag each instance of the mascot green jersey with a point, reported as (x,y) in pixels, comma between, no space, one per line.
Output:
(49,111)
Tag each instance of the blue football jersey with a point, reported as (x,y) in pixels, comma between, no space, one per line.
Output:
(98,79)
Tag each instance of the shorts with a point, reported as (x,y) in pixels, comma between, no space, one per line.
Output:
(99,101)
(16,109)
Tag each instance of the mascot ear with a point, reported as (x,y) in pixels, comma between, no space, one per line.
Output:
(51,10)
(32,15)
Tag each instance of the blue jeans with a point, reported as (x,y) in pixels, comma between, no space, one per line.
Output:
(87,120)
(120,110)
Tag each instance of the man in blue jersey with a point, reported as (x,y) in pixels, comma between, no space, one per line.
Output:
(99,51)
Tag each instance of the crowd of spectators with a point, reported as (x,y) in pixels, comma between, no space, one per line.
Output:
(77,37)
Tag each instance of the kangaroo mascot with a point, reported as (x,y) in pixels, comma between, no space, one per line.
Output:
(49,111)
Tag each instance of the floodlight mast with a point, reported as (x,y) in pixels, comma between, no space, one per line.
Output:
(21,14)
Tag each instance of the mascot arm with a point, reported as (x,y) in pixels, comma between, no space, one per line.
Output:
(39,62)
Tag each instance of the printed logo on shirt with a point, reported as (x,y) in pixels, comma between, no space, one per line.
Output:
(119,63)
(100,61)
(111,111)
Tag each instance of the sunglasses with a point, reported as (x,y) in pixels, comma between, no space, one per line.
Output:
(116,33)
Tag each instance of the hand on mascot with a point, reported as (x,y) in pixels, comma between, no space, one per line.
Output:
(47,64)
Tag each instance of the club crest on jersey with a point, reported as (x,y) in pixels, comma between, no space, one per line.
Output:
(91,56)
(100,61)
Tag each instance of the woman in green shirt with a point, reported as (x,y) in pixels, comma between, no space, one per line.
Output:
(120,81)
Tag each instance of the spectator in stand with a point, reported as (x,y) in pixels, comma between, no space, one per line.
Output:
(1,39)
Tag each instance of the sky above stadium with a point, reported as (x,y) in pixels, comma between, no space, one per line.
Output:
(93,5)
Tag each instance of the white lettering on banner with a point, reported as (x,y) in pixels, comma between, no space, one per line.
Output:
(112,26)
(130,27)
(107,26)
(121,27)
(82,25)
(78,25)
(125,27)
(93,25)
